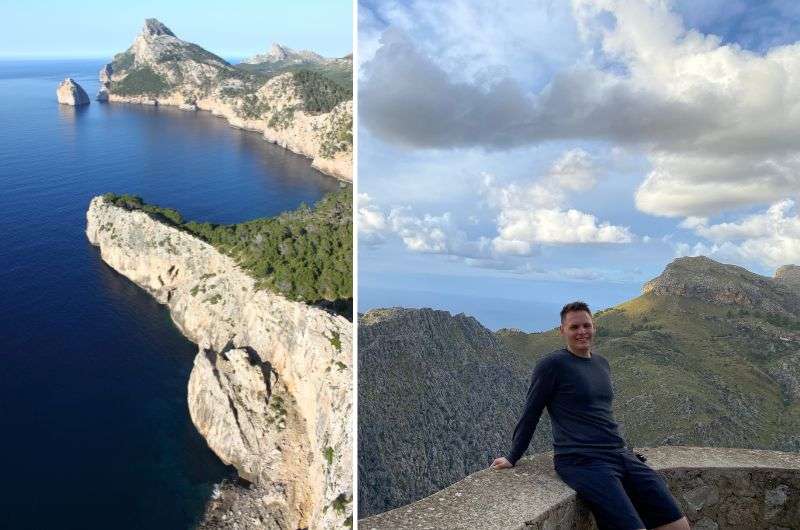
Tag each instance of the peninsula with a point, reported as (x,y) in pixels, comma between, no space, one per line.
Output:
(301,102)
(271,386)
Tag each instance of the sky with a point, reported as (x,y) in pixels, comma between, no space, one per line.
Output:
(517,156)
(234,29)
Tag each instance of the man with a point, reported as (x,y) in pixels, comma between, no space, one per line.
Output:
(590,456)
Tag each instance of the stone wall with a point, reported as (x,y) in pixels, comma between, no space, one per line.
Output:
(717,488)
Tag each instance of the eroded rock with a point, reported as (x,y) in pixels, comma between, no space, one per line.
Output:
(71,93)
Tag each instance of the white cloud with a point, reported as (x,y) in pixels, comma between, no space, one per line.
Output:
(525,216)
(535,212)
(720,124)
(372,223)
(770,238)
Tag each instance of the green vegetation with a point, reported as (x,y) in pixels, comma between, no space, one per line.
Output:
(340,73)
(340,503)
(328,454)
(253,107)
(122,61)
(305,254)
(141,81)
(282,118)
(337,137)
(335,340)
(132,202)
(319,93)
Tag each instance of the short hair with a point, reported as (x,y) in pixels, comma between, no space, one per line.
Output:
(574,306)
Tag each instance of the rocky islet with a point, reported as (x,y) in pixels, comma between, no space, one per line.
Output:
(71,93)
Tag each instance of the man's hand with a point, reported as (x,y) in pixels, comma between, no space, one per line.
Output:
(501,463)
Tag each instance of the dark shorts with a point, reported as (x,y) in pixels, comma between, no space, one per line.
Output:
(622,492)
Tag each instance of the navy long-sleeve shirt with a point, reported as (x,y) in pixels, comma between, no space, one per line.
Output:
(577,393)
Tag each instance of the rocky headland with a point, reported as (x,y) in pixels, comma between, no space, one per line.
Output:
(71,93)
(304,111)
(708,355)
(271,386)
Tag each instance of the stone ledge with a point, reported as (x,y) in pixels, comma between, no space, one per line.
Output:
(718,489)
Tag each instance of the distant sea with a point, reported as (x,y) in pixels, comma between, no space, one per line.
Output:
(94,426)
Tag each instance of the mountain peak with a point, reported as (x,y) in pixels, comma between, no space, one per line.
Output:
(789,275)
(707,280)
(154,27)
(279,52)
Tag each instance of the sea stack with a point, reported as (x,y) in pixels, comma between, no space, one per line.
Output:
(70,93)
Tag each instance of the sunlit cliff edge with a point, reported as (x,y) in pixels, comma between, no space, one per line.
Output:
(270,389)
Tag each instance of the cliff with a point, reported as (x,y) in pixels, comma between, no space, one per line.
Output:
(718,489)
(304,112)
(270,389)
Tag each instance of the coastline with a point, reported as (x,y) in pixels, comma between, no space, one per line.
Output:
(340,166)
(270,388)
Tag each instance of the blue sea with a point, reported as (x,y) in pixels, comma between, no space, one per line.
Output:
(94,426)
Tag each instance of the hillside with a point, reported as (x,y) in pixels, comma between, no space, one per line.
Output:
(708,355)
(281,59)
(304,107)
(437,394)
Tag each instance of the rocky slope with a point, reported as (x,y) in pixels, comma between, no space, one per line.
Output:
(271,385)
(704,279)
(281,59)
(708,355)
(437,397)
(71,93)
(302,112)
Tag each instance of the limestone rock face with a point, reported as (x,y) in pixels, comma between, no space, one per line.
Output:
(71,93)
(102,94)
(271,387)
(789,275)
(159,68)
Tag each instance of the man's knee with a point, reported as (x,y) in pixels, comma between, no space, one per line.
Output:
(680,524)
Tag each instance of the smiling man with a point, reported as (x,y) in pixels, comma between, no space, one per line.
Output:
(590,455)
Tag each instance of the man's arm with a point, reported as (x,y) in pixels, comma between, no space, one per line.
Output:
(539,393)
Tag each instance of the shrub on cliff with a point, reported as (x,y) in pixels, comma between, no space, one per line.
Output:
(142,80)
(305,254)
(319,93)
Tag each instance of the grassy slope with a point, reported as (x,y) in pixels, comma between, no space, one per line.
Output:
(690,372)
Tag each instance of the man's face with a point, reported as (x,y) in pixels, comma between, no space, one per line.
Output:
(578,331)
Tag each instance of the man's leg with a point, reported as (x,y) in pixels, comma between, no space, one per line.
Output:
(598,485)
(650,495)
(680,524)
